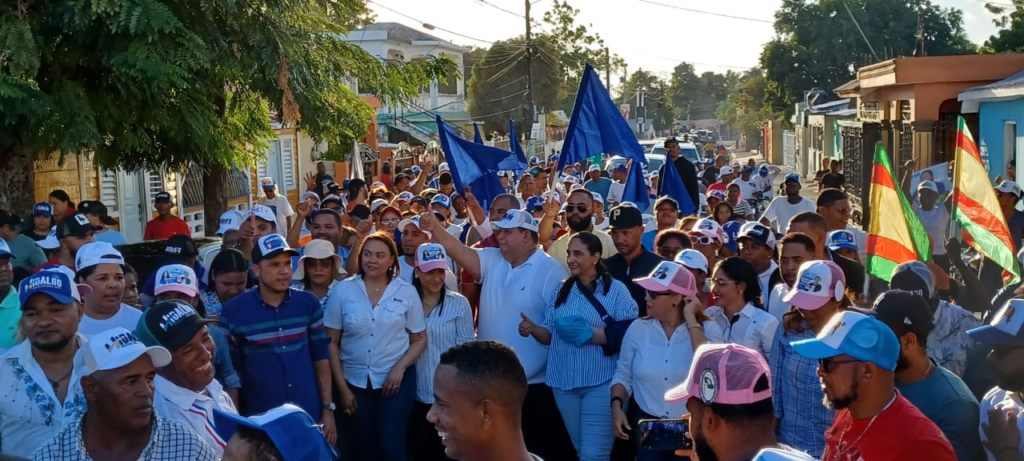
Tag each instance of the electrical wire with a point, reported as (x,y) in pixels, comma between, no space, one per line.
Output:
(432,25)
(513,13)
(691,10)
(1005,5)
(502,62)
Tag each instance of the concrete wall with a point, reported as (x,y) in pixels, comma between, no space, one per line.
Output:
(993,117)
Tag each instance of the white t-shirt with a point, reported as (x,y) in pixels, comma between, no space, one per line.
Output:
(127,317)
(776,306)
(935,222)
(282,209)
(748,187)
(780,211)
(615,192)
(1004,401)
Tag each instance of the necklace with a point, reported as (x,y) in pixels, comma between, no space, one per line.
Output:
(56,384)
(840,448)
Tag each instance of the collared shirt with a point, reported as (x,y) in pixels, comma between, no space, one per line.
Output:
(641,266)
(175,403)
(449,324)
(776,306)
(570,366)
(558,247)
(651,363)
(797,394)
(30,413)
(1005,401)
(505,291)
(373,337)
(10,314)
(169,441)
(223,368)
(27,255)
(751,327)
(276,347)
(948,342)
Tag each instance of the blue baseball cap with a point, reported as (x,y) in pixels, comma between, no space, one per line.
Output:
(270,246)
(42,209)
(791,177)
(732,233)
(534,160)
(554,158)
(534,203)
(5,250)
(415,169)
(53,282)
(442,200)
(294,433)
(841,239)
(1006,327)
(857,335)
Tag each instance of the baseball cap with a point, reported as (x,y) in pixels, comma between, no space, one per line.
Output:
(841,239)
(405,196)
(746,169)
(857,335)
(443,167)
(419,199)
(593,168)
(265,213)
(791,177)
(181,246)
(620,168)
(757,233)
(42,209)
(5,250)
(414,221)
(720,194)
(95,207)
(415,169)
(731,232)
(625,216)
(930,185)
(516,219)
(725,170)
(442,200)
(317,249)
(735,164)
(391,209)
(114,349)
(76,225)
(909,311)
(50,242)
(534,203)
(727,374)
(270,246)
(554,158)
(294,433)
(55,283)
(669,276)
(310,195)
(333,187)
(230,220)
(709,228)
(267,183)
(177,278)
(915,277)
(332,198)
(170,324)
(597,197)
(570,179)
(361,212)
(430,256)
(377,204)
(1005,327)
(818,282)
(95,253)
(534,160)
(163,196)
(666,199)
(693,259)
(1009,187)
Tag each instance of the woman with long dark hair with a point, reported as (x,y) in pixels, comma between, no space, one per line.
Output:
(722,213)
(376,326)
(229,277)
(738,308)
(579,367)
(61,203)
(449,323)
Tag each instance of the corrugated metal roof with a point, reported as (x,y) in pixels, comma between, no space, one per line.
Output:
(830,107)
(1013,81)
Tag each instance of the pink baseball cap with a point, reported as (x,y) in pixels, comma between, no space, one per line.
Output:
(710,228)
(818,282)
(728,374)
(430,256)
(669,276)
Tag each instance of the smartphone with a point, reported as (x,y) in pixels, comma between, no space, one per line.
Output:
(665,435)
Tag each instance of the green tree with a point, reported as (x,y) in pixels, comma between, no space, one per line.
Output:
(657,99)
(578,48)
(745,108)
(1010,20)
(149,84)
(698,97)
(497,87)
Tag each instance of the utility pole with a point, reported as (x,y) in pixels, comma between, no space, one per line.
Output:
(529,66)
(608,70)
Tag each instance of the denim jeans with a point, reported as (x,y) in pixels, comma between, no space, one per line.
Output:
(380,424)
(588,418)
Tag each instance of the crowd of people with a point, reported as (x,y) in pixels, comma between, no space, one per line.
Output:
(401,320)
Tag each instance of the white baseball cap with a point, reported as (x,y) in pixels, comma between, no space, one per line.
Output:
(50,242)
(930,185)
(230,220)
(377,204)
(597,197)
(693,259)
(414,221)
(176,278)
(430,256)
(263,212)
(516,219)
(95,253)
(114,349)
(1009,187)
(725,170)
(443,167)
(818,282)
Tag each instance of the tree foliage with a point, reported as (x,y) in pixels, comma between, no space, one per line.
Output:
(578,47)
(497,87)
(1010,20)
(744,109)
(657,99)
(698,97)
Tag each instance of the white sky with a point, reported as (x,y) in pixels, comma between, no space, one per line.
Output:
(637,31)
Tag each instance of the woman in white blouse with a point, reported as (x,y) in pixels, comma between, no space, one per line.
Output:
(738,309)
(449,323)
(375,323)
(657,352)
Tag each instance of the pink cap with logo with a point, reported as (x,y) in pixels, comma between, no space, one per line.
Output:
(709,228)
(818,282)
(728,374)
(430,256)
(669,276)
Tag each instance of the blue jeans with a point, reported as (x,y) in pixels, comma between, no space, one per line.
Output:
(380,424)
(588,418)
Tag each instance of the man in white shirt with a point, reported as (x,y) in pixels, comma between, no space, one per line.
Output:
(618,185)
(185,391)
(517,278)
(757,246)
(935,219)
(278,204)
(38,381)
(1001,426)
(782,209)
(750,187)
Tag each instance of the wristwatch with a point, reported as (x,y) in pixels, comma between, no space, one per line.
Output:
(329,406)
(619,399)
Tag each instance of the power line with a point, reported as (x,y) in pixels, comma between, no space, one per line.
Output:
(691,10)
(1006,5)
(513,13)
(432,26)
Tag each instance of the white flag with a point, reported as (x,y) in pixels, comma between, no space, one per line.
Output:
(356,166)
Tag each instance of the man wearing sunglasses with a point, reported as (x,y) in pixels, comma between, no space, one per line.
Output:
(579,214)
(857,357)
(1001,430)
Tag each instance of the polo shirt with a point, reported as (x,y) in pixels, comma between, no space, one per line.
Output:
(27,255)
(506,291)
(641,266)
(10,314)
(192,409)
(277,347)
(558,247)
(163,230)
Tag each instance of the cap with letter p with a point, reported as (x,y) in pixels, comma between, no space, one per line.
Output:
(727,374)
(1006,327)
(113,349)
(857,335)
(294,433)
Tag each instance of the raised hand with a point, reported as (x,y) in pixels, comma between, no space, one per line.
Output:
(527,326)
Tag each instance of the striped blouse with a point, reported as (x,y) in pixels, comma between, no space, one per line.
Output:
(448,325)
(571,367)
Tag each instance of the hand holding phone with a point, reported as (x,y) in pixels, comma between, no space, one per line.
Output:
(666,435)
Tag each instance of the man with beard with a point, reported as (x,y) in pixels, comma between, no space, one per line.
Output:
(940,395)
(1001,427)
(857,357)
(728,395)
(579,208)
(632,260)
(40,373)
(117,379)
(794,250)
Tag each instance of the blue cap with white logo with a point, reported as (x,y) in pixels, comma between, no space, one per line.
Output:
(1006,327)
(442,200)
(295,434)
(42,209)
(792,177)
(841,239)
(55,283)
(857,335)
(270,246)
(534,203)
(534,160)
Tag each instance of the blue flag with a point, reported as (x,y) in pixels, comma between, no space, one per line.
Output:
(476,165)
(513,142)
(476,134)
(597,127)
(671,184)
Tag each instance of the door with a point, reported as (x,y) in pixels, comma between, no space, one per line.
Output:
(272,166)
(129,204)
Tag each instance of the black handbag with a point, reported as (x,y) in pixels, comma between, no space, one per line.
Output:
(614,330)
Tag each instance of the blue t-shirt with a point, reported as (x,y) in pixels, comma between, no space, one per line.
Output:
(946,400)
(601,186)
(111,236)
(647,240)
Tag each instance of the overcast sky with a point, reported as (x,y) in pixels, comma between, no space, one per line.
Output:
(638,31)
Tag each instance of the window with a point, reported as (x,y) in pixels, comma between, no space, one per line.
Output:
(1009,145)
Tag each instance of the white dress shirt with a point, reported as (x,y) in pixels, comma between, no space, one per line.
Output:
(752,327)
(766,277)
(449,324)
(373,338)
(30,413)
(175,403)
(505,292)
(776,306)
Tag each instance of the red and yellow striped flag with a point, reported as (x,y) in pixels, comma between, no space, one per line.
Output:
(976,208)
(895,234)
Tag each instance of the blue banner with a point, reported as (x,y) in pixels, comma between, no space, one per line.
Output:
(671,184)
(476,165)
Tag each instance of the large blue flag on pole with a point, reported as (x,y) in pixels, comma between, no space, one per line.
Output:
(597,127)
(513,142)
(476,134)
(476,165)
(671,184)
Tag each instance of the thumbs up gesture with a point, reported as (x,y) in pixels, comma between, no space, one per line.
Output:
(527,326)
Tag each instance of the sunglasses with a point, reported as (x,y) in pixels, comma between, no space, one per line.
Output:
(319,263)
(827,365)
(390,222)
(702,240)
(667,252)
(579,208)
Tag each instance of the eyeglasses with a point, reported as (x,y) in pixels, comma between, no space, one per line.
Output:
(827,365)
(390,222)
(720,282)
(579,208)
(702,240)
(657,294)
(668,252)
(319,263)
